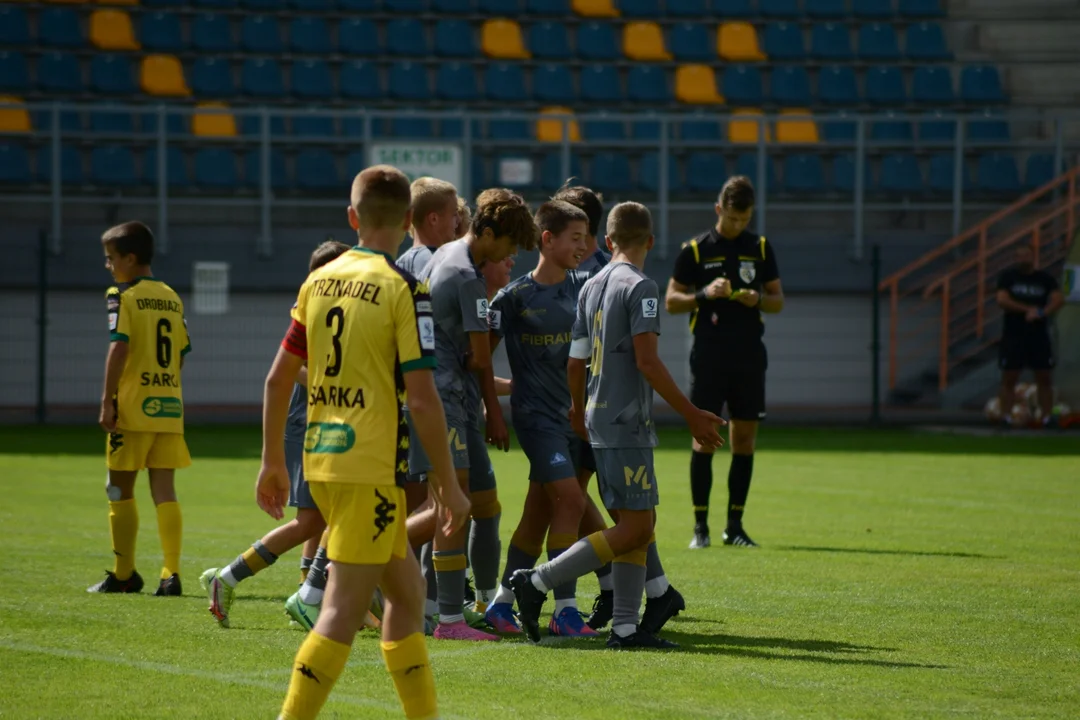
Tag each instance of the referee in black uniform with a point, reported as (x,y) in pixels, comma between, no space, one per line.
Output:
(725,278)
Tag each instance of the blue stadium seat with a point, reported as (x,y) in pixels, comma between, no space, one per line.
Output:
(112,74)
(406,37)
(359,36)
(768,8)
(160,32)
(456,81)
(842,175)
(261,77)
(547,7)
(69,121)
(891,130)
(687,8)
(500,8)
(601,84)
(552,175)
(646,9)
(455,38)
(479,172)
(826,9)
(609,172)
(921,8)
(981,85)
(407,126)
(509,128)
(986,127)
(405,7)
(316,169)
(598,126)
(261,34)
(311,80)
(14,28)
(71,164)
(313,124)
(360,6)
(215,168)
(997,173)
(926,41)
(553,84)
(15,75)
(692,42)
(59,28)
(834,128)
(932,85)
(877,41)
(885,86)
(831,41)
(279,174)
(215,4)
(408,81)
(325,5)
(938,129)
(1038,170)
(211,78)
(175,122)
(14,164)
(114,122)
(360,80)
(746,164)
(649,129)
(791,86)
(596,41)
(452,7)
(265,5)
(57,72)
(804,173)
(251,125)
(900,172)
(705,172)
(942,176)
(211,33)
(742,85)
(176,174)
(309,34)
(113,166)
(163,3)
(549,40)
(505,82)
(649,173)
(352,126)
(836,86)
(700,127)
(783,41)
(455,128)
(872,9)
(648,84)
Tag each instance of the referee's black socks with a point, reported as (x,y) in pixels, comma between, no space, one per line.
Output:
(701,485)
(738,482)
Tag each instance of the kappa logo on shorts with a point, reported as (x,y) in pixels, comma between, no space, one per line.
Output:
(116,441)
(383,518)
(557,459)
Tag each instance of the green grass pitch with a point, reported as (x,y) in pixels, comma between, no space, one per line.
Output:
(901,575)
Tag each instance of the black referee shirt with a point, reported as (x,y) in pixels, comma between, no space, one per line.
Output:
(1030,288)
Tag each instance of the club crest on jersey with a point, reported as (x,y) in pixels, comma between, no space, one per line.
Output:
(495,319)
(427,332)
(649,307)
(481,308)
(747,272)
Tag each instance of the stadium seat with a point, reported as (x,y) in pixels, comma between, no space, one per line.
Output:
(696,85)
(646,9)
(359,36)
(547,40)
(843,175)
(826,9)
(744,126)
(56,73)
(405,7)
(553,127)
(216,168)
(106,121)
(160,32)
(891,130)
(14,28)
(831,41)
(455,39)
(479,172)
(797,126)
(691,42)
(783,41)
(598,126)
(644,41)
(942,176)
(112,75)
(455,128)
(456,81)
(212,78)
(211,33)
(648,84)
(997,173)
(932,85)
(885,86)
(687,8)
(263,5)
(309,35)
(500,7)
(804,173)
(351,6)
(15,75)
(509,128)
(14,119)
(981,85)
(872,9)
(705,172)
(163,3)
(360,80)
(408,81)
(213,119)
(405,37)
(649,173)
(877,41)
(742,85)
(71,164)
(790,86)
(176,174)
(352,126)
(502,39)
(113,166)
(451,7)
(1038,170)
(553,84)
(937,130)
(700,127)
(560,8)
(316,169)
(778,8)
(412,127)
(835,128)
(311,80)
(252,125)
(14,164)
(595,8)
(609,172)
(59,28)
(601,84)
(596,41)
(112,30)
(738,42)
(175,123)
(215,4)
(926,41)
(279,174)
(70,122)
(921,8)
(505,82)
(162,75)
(552,175)
(261,77)
(900,173)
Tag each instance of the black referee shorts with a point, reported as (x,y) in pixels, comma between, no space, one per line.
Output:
(1034,350)
(742,390)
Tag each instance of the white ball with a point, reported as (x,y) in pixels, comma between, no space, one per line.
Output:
(992,411)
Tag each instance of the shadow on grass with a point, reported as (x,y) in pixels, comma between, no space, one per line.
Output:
(871,551)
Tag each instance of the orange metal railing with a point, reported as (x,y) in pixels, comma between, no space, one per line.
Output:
(953,285)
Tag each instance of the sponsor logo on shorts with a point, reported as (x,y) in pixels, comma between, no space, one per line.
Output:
(649,307)
(330,438)
(558,459)
(163,407)
(116,441)
(383,518)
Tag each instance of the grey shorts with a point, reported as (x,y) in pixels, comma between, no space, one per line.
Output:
(552,456)
(481,473)
(299,492)
(626,478)
(458,438)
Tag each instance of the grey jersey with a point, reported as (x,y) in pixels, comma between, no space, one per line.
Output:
(615,305)
(414,259)
(459,305)
(534,322)
(296,426)
(594,263)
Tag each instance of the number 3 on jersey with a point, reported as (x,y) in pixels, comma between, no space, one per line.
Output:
(335,320)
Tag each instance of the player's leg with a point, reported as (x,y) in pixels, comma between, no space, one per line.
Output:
(307,556)
(167,454)
(421,521)
(485,547)
(1011,360)
(592,520)
(708,391)
(524,550)
(125,455)
(303,605)
(662,600)
(746,403)
(1041,360)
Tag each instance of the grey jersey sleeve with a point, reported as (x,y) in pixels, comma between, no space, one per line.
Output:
(472,294)
(500,313)
(580,328)
(644,307)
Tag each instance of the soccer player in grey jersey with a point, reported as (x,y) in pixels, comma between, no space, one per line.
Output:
(616,327)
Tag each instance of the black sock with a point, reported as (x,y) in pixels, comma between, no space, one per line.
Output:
(738,482)
(701,485)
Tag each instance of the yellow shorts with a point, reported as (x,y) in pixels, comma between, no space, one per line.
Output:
(134,451)
(366,523)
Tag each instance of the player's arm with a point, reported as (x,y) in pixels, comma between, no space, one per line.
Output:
(114,368)
(301,377)
(771,299)
(1006,302)
(474,317)
(682,296)
(503,386)
(577,369)
(679,298)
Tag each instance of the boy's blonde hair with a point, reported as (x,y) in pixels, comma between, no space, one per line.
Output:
(629,225)
(381,197)
(430,195)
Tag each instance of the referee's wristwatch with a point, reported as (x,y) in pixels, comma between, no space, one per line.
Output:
(701,297)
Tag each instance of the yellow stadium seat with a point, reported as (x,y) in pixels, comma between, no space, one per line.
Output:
(745,130)
(796,126)
(112,30)
(502,39)
(163,75)
(738,41)
(552,130)
(213,119)
(595,8)
(644,41)
(696,85)
(13,119)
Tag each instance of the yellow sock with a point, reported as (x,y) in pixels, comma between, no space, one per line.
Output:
(170,527)
(123,528)
(316,668)
(303,574)
(407,662)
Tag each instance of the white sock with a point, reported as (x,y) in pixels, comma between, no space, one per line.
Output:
(485,596)
(539,584)
(624,630)
(431,608)
(657,586)
(227,577)
(447,619)
(504,595)
(561,605)
(606,582)
(310,595)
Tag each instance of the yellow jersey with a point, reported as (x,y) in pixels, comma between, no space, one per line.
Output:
(361,323)
(147,315)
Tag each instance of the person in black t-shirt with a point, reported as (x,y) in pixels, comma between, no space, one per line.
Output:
(1029,297)
(725,278)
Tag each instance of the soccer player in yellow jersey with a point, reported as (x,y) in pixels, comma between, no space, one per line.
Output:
(142,407)
(365,331)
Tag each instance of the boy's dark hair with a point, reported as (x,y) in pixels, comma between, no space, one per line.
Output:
(737,194)
(629,225)
(131,238)
(506,213)
(555,215)
(327,251)
(586,199)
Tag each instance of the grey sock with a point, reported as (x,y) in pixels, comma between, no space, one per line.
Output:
(568,590)
(451,585)
(516,559)
(629,580)
(485,551)
(239,567)
(580,559)
(427,563)
(653,568)
(316,576)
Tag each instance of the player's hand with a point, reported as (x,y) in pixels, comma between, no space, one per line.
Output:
(272,489)
(577,423)
(1032,314)
(496,431)
(718,288)
(107,416)
(453,509)
(703,426)
(749,298)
